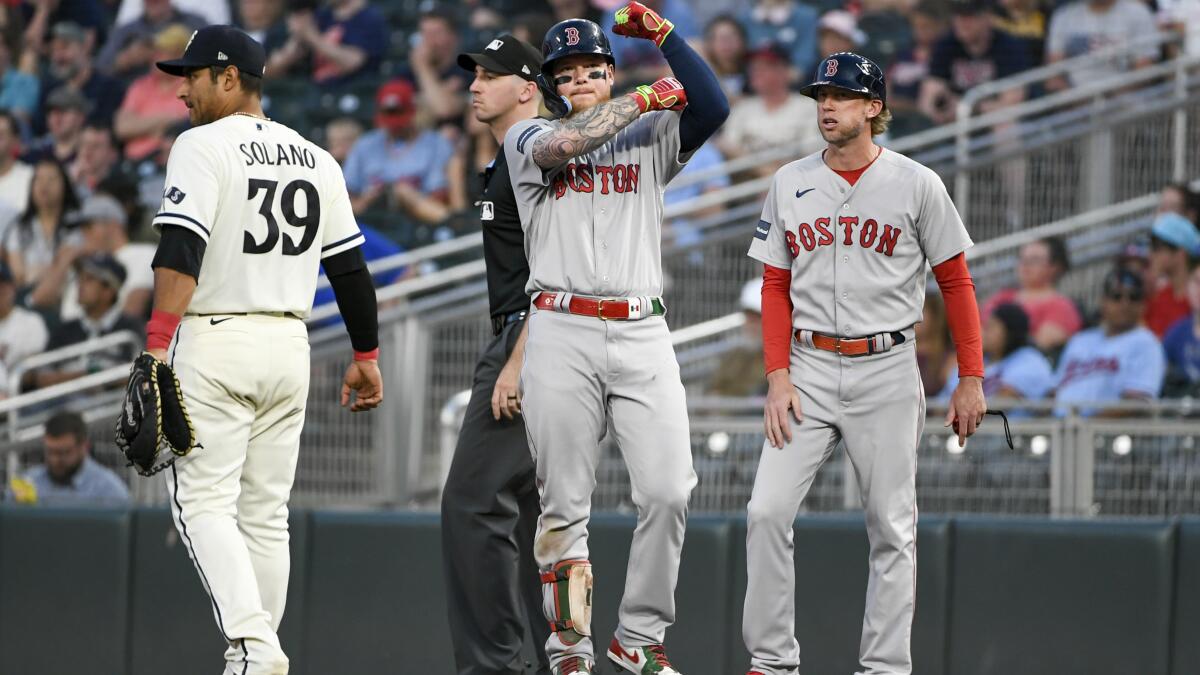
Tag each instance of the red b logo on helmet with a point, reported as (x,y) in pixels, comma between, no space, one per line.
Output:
(572,36)
(831,67)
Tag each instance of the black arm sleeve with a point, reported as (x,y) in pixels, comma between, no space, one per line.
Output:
(707,106)
(181,250)
(355,294)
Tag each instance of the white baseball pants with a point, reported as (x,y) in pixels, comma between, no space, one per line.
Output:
(245,384)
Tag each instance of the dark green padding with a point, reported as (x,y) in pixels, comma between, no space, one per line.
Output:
(696,642)
(831,584)
(172,624)
(1186,636)
(376,598)
(1053,597)
(64,591)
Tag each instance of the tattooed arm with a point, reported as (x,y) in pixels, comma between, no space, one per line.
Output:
(584,132)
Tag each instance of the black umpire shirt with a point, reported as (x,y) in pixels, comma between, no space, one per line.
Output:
(503,241)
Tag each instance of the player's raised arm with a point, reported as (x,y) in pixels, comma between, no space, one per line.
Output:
(576,82)
(588,130)
(709,106)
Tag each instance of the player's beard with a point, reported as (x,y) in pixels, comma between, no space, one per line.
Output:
(839,137)
(592,100)
(197,116)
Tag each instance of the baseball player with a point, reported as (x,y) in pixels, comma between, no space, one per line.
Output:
(844,238)
(490,502)
(589,190)
(250,210)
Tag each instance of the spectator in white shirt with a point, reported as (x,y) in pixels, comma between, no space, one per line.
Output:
(103,225)
(774,116)
(15,175)
(22,332)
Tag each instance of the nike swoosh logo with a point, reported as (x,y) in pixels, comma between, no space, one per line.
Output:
(213,322)
(801,193)
(633,656)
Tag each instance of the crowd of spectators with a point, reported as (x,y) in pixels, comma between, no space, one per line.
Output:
(1141,340)
(87,124)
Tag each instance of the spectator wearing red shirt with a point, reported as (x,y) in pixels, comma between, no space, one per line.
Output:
(151,105)
(1174,244)
(1053,317)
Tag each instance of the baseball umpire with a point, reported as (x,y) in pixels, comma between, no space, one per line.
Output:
(589,192)
(844,238)
(250,211)
(490,502)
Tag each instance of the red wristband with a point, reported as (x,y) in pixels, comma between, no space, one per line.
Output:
(372,355)
(160,329)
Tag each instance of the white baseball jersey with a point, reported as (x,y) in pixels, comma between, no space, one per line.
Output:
(594,225)
(857,253)
(268,203)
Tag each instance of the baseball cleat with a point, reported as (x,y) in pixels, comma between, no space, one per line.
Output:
(651,660)
(571,666)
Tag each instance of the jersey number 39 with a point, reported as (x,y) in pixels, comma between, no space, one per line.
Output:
(287,204)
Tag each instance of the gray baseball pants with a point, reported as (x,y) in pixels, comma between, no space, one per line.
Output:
(580,375)
(876,404)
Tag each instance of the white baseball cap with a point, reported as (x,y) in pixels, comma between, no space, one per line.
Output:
(751,297)
(843,23)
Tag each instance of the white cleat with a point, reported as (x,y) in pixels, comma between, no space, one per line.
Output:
(651,660)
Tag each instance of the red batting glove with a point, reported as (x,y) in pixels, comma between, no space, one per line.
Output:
(666,94)
(636,20)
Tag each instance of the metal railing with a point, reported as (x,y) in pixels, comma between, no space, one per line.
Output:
(98,387)
(1061,465)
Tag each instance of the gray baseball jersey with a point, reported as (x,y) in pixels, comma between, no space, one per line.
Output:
(857,256)
(857,253)
(593,226)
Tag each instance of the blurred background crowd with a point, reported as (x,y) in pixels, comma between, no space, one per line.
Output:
(86,126)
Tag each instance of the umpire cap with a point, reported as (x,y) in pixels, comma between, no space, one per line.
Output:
(505,55)
(849,71)
(219,46)
(574,36)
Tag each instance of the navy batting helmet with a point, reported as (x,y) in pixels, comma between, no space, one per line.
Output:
(849,71)
(574,36)
(567,38)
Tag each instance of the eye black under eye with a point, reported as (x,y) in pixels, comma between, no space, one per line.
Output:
(562,79)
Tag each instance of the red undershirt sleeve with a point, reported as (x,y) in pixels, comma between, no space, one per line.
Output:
(776,317)
(962,313)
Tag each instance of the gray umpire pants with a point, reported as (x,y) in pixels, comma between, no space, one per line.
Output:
(876,404)
(489,514)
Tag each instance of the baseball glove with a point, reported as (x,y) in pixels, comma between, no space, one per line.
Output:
(154,427)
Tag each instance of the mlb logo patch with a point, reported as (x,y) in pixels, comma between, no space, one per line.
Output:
(487,211)
(175,195)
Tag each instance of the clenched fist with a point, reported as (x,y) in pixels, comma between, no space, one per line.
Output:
(636,20)
(665,94)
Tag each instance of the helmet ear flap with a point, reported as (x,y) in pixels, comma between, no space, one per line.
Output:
(559,106)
